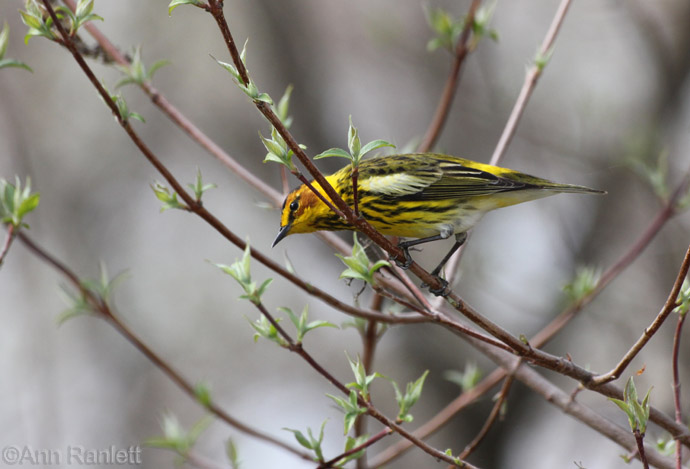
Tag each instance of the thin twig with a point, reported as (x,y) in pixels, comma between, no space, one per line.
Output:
(369,341)
(649,332)
(530,82)
(106,313)
(639,439)
(564,401)
(9,237)
(371,410)
(330,463)
(676,383)
(443,108)
(495,412)
(341,208)
(441,418)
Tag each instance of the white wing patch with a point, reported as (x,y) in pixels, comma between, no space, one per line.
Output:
(397,184)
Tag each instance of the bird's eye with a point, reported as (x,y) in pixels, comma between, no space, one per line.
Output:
(293,206)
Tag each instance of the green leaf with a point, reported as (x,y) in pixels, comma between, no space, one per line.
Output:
(4,39)
(8,63)
(362,380)
(176,3)
(446,28)
(585,282)
(136,72)
(264,97)
(353,141)
(175,437)
(339,152)
(375,145)
(240,271)
(683,300)
(232,454)
(198,187)
(265,329)
(84,8)
(16,202)
(358,264)
(351,443)
(168,198)
(301,439)
(350,407)
(466,379)
(283,106)
(413,391)
(638,413)
(203,394)
(310,442)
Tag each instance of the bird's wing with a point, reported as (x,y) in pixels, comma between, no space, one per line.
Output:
(430,178)
(463,181)
(398,177)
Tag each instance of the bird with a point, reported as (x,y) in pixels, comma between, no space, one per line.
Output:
(427,196)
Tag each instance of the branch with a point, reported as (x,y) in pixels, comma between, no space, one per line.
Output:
(495,412)
(564,401)
(198,209)
(441,418)
(676,384)
(341,208)
(104,311)
(451,86)
(530,82)
(383,433)
(371,410)
(9,237)
(649,332)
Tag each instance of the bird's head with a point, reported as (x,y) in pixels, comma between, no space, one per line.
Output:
(304,212)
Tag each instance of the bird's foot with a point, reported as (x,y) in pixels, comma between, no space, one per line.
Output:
(404,265)
(442,290)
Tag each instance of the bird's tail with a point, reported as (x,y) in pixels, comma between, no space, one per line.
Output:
(572,188)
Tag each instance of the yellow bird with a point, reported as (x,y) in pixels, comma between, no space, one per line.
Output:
(429,196)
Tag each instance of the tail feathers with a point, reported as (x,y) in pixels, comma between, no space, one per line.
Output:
(574,189)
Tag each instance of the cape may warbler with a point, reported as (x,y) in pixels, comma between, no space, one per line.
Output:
(429,196)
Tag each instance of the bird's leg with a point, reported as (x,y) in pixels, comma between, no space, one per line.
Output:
(406,245)
(460,239)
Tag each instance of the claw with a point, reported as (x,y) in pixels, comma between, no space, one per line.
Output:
(440,291)
(404,265)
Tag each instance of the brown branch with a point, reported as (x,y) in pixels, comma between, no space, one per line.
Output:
(371,410)
(462,49)
(369,342)
(649,332)
(676,383)
(341,208)
(9,237)
(530,82)
(441,418)
(330,463)
(521,349)
(495,412)
(104,311)
(639,439)
(565,401)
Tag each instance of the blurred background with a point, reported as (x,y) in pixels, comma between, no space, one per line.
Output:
(615,89)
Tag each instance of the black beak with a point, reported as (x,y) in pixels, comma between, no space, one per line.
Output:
(282,233)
